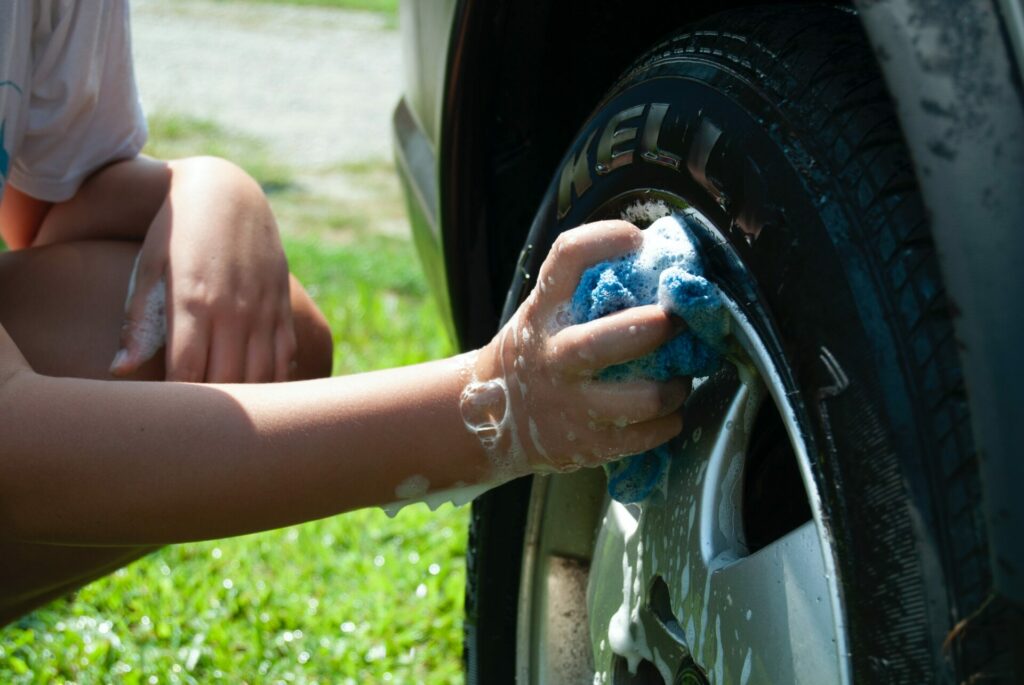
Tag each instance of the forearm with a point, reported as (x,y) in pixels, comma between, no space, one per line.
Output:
(142,463)
(99,462)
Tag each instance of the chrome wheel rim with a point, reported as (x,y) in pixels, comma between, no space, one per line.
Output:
(698,584)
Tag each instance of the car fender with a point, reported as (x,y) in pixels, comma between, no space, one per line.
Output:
(954,71)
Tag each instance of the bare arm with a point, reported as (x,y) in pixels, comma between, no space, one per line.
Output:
(210,248)
(99,462)
(94,462)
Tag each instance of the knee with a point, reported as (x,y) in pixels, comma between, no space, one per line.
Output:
(314,355)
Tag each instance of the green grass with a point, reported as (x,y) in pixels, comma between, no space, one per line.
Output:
(172,136)
(376,303)
(358,598)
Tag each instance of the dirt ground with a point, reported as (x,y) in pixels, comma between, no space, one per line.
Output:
(318,85)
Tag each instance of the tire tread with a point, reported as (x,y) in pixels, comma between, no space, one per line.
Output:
(818,73)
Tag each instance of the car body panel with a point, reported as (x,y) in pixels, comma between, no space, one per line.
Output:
(425,27)
(953,72)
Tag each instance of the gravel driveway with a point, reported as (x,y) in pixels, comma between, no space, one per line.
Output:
(318,85)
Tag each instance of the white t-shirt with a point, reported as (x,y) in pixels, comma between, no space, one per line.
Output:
(68,101)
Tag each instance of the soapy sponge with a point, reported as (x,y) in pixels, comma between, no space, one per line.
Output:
(667,270)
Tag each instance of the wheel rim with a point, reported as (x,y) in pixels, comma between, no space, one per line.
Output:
(717,578)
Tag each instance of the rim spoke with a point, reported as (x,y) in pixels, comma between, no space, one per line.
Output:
(695,519)
(774,616)
(765,615)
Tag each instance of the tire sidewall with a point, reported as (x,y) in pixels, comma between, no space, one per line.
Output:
(812,294)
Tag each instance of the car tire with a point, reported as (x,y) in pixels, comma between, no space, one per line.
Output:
(773,128)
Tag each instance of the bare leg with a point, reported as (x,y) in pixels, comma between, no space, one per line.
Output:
(63,306)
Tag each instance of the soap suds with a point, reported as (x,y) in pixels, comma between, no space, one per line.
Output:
(666,270)
(644,212)
(412,487)
(747,663)
(535,438)
(626,635)
(150,331)
(457,496)
(485,409)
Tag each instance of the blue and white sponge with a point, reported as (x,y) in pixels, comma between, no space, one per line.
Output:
(666,270)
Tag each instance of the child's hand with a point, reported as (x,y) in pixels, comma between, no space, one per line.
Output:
(533,399)
(214,243)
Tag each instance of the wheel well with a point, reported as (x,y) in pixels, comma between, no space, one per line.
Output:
(523,77)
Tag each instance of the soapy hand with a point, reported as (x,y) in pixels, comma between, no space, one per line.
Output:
(213,251)
(534,399)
